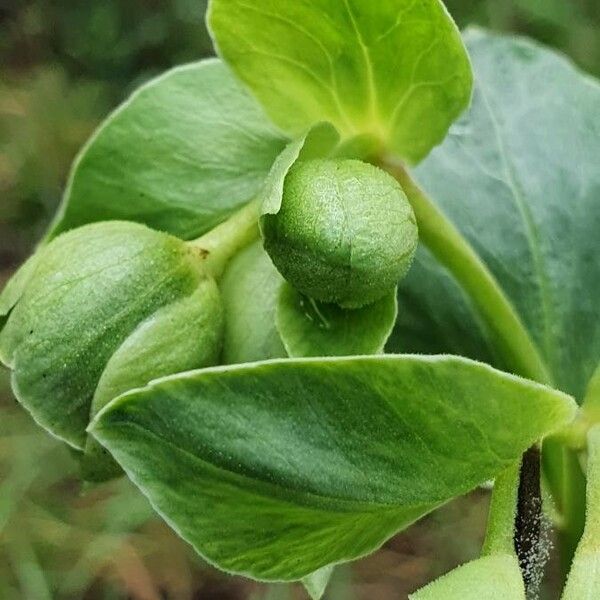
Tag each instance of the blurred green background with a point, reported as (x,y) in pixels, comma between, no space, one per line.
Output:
(64,64)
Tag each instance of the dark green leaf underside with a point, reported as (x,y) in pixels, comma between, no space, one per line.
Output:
(519,176)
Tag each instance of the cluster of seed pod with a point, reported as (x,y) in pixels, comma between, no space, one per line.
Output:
(139,304)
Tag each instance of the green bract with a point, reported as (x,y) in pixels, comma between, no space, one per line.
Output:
(396,70)
(182,154)
(250,288)
(345,232)
(311,328)
(183,335)
(91,289)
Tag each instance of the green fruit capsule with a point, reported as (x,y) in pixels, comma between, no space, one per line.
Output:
(102,308)
(345,232)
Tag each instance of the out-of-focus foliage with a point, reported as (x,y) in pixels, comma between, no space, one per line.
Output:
(110,40)
(63,65)
(61,541)
(571,26)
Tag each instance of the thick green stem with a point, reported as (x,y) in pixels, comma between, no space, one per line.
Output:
(452,250)
(499,537)
(224,241)
(567,484)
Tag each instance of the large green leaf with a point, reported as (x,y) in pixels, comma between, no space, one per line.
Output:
(584,579)
(90,288)
(279,468)
(519,176)
(183,153)
(436,315)
(394,69)
(310,328)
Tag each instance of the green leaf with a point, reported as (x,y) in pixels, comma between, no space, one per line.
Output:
(584,578)
(436,315)
(277,469)
(393,69)
(182,336)
(250,287)
(181,155)
(91,288)
(496,577)
(310,328)
(319,141)
(519,177)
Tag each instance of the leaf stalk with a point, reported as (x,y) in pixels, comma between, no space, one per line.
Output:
(222,243)
(453,251)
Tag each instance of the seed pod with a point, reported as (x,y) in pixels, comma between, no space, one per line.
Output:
(345,232)
(91,290)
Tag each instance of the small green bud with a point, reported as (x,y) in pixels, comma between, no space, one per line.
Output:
(345,232)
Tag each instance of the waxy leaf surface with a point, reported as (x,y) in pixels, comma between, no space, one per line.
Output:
(519,176)
(279,468)
(183,153)
(393,69)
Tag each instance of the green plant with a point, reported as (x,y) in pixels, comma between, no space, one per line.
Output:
(307,446)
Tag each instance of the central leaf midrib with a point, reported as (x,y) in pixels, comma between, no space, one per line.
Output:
(370,77)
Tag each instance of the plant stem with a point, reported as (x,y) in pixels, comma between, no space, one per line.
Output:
(223,242)
(500,533)
(567,484)
(453,251)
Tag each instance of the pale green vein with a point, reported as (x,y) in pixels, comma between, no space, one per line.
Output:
(371,85)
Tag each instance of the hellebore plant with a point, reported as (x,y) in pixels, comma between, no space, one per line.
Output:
(209,310)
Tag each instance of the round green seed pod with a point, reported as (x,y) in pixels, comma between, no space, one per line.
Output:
(345,233)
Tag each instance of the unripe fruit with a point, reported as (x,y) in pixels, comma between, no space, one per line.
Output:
(100,305)
(345,232)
